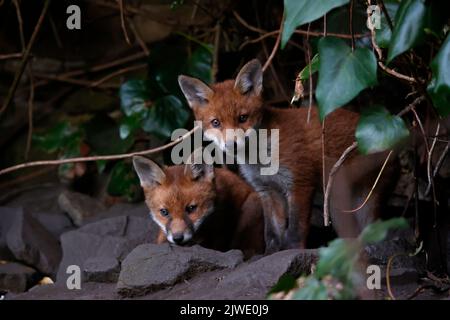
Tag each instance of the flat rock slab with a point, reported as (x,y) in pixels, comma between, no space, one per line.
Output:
(249,281)
(30,242)
(152,267)
(109,240)
(101,269)
(79,206)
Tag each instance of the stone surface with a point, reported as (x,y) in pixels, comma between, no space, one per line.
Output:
(101,269)
(16,277)
(31,243)
(79,206)
(111,238)
(152,267)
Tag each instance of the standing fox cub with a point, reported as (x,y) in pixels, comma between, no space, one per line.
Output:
(197,203)
(287,195)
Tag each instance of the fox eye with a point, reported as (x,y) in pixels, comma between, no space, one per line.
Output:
(191,208)
(164,212)
(243,118)
(215,123)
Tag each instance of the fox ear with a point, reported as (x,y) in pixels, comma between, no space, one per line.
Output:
(149,173)
(197,169)
(249,79)
(197,93)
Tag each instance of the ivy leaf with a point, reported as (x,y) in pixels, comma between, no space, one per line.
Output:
(408,30)
(304,74)
(62,136)
(165,115)
(313,290)
(384,34)
(123,181)
(343,74)
(299,12)
(286,283)
(337,259)
(199,64)
(439,87)
(378,130)
(377,231)
(134,96)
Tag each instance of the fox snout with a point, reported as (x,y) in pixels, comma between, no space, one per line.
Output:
(178,232)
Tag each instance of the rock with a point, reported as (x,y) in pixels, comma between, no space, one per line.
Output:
(55,223)
(30,242)
(121,209)
(79,206)
(401,243)
(109,239)
(16,277)
(254,280)
(6,219)
(152,267)
(101,269)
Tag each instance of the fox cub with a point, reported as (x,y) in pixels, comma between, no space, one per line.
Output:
(287,195)
(197,203)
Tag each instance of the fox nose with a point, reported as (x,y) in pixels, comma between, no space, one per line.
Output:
(178,238)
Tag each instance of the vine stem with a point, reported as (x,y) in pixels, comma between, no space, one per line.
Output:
(96,158)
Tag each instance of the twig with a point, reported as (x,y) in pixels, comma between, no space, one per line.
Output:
(138,37)
(30,113)
(122,22)
(275,47)
(396,74)
(119,72)
(373,186)
(386,14)
(334,169)
(80,82)
(310,98)
(382,65)
(96,158)
(19,72)
(388,275)
(439,164)
(7,56)
(20,21)
(266,34)
(351,24)
(430,154)
(411,106)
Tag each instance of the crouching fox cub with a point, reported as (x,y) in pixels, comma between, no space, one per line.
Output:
(200,204)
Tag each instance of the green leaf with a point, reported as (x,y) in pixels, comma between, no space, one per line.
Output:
(439,87)
(102,135)
(199,64)
(378,130)
(62,136)
(285,284)
(304,74)
(384,34)
(377,231)
(134,96)
(343,74)
(408,30)
(337,259)
(299,12)
(313,290)
(165,115)
(123,181)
